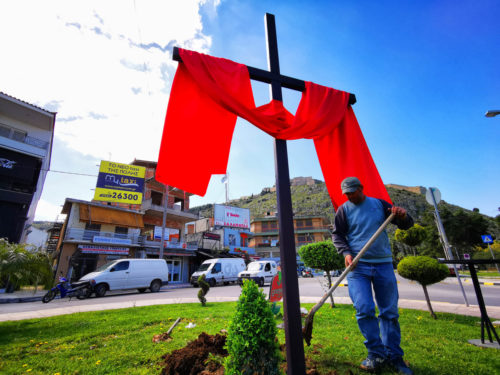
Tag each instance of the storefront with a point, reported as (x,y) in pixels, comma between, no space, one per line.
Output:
(178,263)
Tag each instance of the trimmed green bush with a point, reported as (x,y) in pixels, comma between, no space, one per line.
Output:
(251,341)
(324,256)
(424,270)
(204,287)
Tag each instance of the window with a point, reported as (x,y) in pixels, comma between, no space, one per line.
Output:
(308,222)
(19,136)
(90,231)
(265,226)
(121,232)
(4,131)
(121,266)
(156,198)
(217,268)
(300,223)
(268,267)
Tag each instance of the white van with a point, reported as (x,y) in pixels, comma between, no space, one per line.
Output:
(261,272)
(138,274)
(219,270)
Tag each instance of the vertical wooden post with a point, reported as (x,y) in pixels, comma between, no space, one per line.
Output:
(291,300)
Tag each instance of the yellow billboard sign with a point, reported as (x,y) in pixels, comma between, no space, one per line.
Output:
(122,183)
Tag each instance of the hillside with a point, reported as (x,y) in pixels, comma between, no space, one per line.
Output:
(314,200)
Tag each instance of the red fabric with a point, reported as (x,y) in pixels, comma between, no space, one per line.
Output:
(207,95)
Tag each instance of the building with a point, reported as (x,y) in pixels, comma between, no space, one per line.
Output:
(94,234)
(229,230)
(97,232)
(26,135)
(265,239)
(177,252)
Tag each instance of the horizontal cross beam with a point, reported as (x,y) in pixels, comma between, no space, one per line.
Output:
(267,77)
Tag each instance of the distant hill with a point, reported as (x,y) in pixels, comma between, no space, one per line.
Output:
(313,199)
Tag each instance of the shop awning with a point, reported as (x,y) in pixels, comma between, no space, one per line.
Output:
(103,215)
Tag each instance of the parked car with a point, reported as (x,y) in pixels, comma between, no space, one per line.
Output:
(262,271)
(219,270)
(120,274)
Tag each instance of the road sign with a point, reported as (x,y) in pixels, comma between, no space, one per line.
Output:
(466,256)
(487,238)
(437,195)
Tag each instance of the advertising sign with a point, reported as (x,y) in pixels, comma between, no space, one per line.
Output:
(167,234)
(122,183)
(276,289)
(94,249)
(234,217)
(117,241)
(211,236)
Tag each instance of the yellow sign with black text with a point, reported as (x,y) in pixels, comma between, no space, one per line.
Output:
(122,183)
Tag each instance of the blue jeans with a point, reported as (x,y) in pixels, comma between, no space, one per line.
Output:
(383,336)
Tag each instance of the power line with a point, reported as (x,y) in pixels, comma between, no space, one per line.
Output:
(78,174)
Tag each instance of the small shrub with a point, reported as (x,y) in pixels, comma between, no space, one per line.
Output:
(204,287)
(425,271)
(251,342)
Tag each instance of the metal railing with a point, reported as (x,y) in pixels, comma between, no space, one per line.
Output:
(20,136)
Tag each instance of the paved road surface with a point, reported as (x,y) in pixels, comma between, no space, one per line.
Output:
(446,296)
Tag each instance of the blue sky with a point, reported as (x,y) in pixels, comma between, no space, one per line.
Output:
(424,74)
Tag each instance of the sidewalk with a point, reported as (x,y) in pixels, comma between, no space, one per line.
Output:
(461,309)
(28,296)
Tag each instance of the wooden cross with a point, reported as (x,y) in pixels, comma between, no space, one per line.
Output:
(288,256)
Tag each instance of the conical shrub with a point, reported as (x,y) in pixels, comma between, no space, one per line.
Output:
(251,341)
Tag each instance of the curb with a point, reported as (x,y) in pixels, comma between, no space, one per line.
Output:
(39,298)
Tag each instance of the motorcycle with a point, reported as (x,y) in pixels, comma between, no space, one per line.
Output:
(307,273)
(80,290)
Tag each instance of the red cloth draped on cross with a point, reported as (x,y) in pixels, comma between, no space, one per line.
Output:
(208,93)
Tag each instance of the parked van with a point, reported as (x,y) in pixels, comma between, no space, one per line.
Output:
(138,274)
(261,272)
(219,270)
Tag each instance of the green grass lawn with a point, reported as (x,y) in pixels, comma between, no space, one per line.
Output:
(494,274)
(120,341)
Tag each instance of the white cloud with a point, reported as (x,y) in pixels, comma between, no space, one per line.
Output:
(46,211)
(106,63)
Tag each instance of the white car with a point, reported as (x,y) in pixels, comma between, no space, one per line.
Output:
(262,271)
(219,271)
(138,274)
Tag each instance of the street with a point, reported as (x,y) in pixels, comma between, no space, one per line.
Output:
(311,289)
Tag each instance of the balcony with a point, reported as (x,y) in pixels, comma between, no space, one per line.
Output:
(20,136)
(173,211)
(110,238)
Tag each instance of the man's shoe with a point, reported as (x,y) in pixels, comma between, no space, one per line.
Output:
(401,367)
(372,363)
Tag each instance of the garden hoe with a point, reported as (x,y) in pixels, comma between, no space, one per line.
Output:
(308,325)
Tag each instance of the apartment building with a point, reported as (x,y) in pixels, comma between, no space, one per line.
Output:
(175,204)
(26,134)
(94,234)
(308,229)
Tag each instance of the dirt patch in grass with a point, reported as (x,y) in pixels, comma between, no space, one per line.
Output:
(192,359)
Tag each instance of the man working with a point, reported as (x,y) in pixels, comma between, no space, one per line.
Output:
(355,222)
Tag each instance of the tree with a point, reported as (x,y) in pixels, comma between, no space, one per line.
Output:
(324,256)
(251,340)
(20,266)
(464,230)
(425,271)
(412,237)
